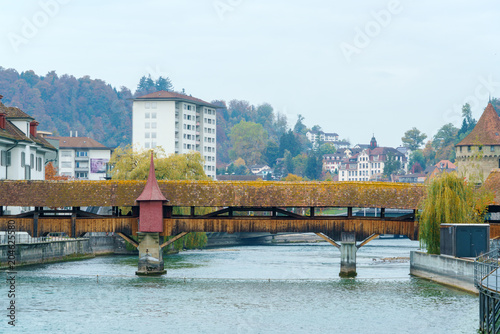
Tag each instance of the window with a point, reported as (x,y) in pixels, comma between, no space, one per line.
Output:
(64,154)
(148,115)
(153,125)
(81,175)
(39,168)
(147,125)
(469,148)
(81,153)
(153,144)
(148,105)
(147,135)
(153,115)
(153,105)
(66,164)
(153,135)
(3,158)
(146,145)
(23,159)
(32,161)
(492,148)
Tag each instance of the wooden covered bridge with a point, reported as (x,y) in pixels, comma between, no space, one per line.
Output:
(208,206)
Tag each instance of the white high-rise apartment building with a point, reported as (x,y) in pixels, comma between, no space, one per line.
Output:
(178,123)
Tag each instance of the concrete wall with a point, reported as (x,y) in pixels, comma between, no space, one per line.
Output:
(52,251)
(444,269)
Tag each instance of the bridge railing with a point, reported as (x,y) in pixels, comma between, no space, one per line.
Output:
(486,274)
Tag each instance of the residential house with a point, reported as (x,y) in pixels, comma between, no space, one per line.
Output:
(82,158)
(178,123)
(22,150)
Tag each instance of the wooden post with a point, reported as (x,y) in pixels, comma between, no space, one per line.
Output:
(192,211)
(1,210)
(349,212)
(382,213)
(73,221)
(35,222)
(312,211)
(167,212)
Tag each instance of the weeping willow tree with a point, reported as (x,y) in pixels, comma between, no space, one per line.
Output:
(131,163)
(449,199)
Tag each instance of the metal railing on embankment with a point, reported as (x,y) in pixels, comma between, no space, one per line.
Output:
(487,281)
(25,238)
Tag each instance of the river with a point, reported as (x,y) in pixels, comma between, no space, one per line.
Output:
(291,288)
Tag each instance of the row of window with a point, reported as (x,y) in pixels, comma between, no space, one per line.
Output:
(209,111)
(148,135)
(209,158)
(209,130)
(209,149)
(150,125)
(209,121)
(150,145)
(209,140)
(6,160)
(150,115)
(480,148)
(189,107)
(209,168)
(150,105)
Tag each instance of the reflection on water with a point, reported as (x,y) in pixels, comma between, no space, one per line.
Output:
(256,289)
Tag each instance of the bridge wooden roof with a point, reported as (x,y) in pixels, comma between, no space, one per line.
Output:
(213,193)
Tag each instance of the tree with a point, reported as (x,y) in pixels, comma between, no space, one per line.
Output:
(248,140)
(299,127)
(468,123)
(271,153)
(133,164)
(164,84)
(313,167)
(417,157)
(326,148)
(51,173)
(289,142)
(299,164)
(445,136)
(391,165)
(292,178)
(316,128)
(413,139)
(449,199)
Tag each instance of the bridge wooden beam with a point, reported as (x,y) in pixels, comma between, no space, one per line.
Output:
(328,239)
(177,237)
(367,240)
(128,239)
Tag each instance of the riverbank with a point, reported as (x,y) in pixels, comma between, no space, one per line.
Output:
(444,269)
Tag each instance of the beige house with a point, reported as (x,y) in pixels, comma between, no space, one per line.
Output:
(479,152)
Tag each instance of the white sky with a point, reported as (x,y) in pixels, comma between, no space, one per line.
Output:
(418,65)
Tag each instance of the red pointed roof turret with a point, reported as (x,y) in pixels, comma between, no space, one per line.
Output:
(151,191)
(486,131)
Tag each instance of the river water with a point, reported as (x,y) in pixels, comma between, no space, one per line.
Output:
(291,288)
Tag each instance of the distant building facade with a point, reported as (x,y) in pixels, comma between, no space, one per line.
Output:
(479,152)
(367,162)
(23,152)
(178,123)
(82,158)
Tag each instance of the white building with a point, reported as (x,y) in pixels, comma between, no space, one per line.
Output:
(178,123)
(22,150)
(82,158)
(367,162)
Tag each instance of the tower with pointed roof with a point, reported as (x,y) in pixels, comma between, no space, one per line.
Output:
(479,152)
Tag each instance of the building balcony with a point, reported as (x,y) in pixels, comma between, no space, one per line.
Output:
(81,158)
(81,169)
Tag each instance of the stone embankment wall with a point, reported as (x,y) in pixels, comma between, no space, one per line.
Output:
(444,269)
(60,250)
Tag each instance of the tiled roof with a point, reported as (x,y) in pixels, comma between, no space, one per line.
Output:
(79,142)
(486,131)
(165,95)
(13,112)
(213,194)
(13,132)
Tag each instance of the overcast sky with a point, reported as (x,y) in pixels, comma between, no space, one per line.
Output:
(353,67)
